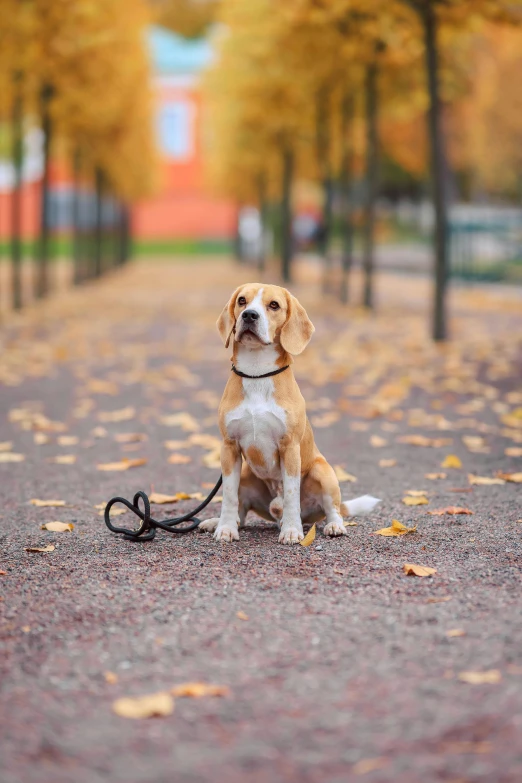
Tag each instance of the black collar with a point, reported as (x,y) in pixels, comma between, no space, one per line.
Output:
(265,375)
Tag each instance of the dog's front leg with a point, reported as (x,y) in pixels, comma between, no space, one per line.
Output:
(227,529)
(291,526)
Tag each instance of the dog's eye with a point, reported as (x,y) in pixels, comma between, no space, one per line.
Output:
(274,305)
(241,300)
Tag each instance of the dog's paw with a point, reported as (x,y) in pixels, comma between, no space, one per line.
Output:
(209,525)
(335,528)
(291,535)
(226,533)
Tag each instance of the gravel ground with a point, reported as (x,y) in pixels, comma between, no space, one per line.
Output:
(343,668)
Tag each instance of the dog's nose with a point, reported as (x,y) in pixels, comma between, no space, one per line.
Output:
(249,316)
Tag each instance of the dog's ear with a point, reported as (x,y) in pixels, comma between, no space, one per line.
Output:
(226,322)
(298,328)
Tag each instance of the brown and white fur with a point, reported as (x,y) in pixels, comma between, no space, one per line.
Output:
(263,421)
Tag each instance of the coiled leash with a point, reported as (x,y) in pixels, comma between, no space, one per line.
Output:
(147,530)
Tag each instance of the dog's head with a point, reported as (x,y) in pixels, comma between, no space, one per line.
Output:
(258,315)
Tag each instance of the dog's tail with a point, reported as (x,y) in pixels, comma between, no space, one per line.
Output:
(359,507)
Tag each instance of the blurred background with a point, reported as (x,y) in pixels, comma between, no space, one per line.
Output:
(349,133)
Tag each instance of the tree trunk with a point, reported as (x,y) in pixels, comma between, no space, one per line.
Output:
(42,275)
(323,144)
(238,240)
(345,181)
(98,223)
(16,197)
(76,220)
(286,215)
(261,263)
(125,234)
(438,173)
(372,170)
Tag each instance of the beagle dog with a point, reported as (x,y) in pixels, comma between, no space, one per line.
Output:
(269,459)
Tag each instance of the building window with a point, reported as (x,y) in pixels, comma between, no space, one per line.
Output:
(176,132)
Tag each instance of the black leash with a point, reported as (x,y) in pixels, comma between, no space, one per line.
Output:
(147,530)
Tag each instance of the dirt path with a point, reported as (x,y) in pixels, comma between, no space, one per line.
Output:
(339,665)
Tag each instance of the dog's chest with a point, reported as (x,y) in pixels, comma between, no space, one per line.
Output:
(258,423)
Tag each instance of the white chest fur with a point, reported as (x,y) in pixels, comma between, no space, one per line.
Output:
(258,421)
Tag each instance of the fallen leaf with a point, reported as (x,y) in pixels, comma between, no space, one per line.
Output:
(3,573)
(476,444)
(418,570)
(48,548)
(422,440)
(47,503)
(67,440)
(350,524)
(6,445)
(123,414)
(513,451)
(196,690)
(454,632)
(415,501)
(396,529)
(212,459)
(342,475)
(484,480)
(439,600)
(491,677)
(310,537)
(416,493)
(184,420)
(99,386)
(387,463)
(325,419)
(179,459)
(123,464)
(451,461)
(242,616)
(40,438)
(368,765)
(158,704)
(111,678)
(99,432)
(58,527)
(64,459)
(11,456)
(377,442)
(516,478)
(115,512)
(435,476)
(439,512)
(130,437)
(158,498)
(173,445)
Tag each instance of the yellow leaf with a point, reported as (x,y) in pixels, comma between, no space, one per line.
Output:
(67,440)
(435,476)
(179,459)
(451,461)
(123,414)
(513,451)
(439,599)
(325,419)
(490,677)
(310,537)
(350,524)
(242,616)
(516,478)
(158,498)
(40,438)
(64,459)
(377,442)
(111,678)
(47,503)
(212,459)
(173,445)
(484,480)
(6,445)
(115,512)
(422,440)
(48,548)
(387,463)
(396,529)
(11,456)
(158,704)
(368,765)
(342,475)
(418,570)
(130,437)
(58,527)
(196,690)
(415,501)
(454,632)
(416,493)
(184,420)
(123,464)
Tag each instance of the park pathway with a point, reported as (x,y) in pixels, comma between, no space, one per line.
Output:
(339,666)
